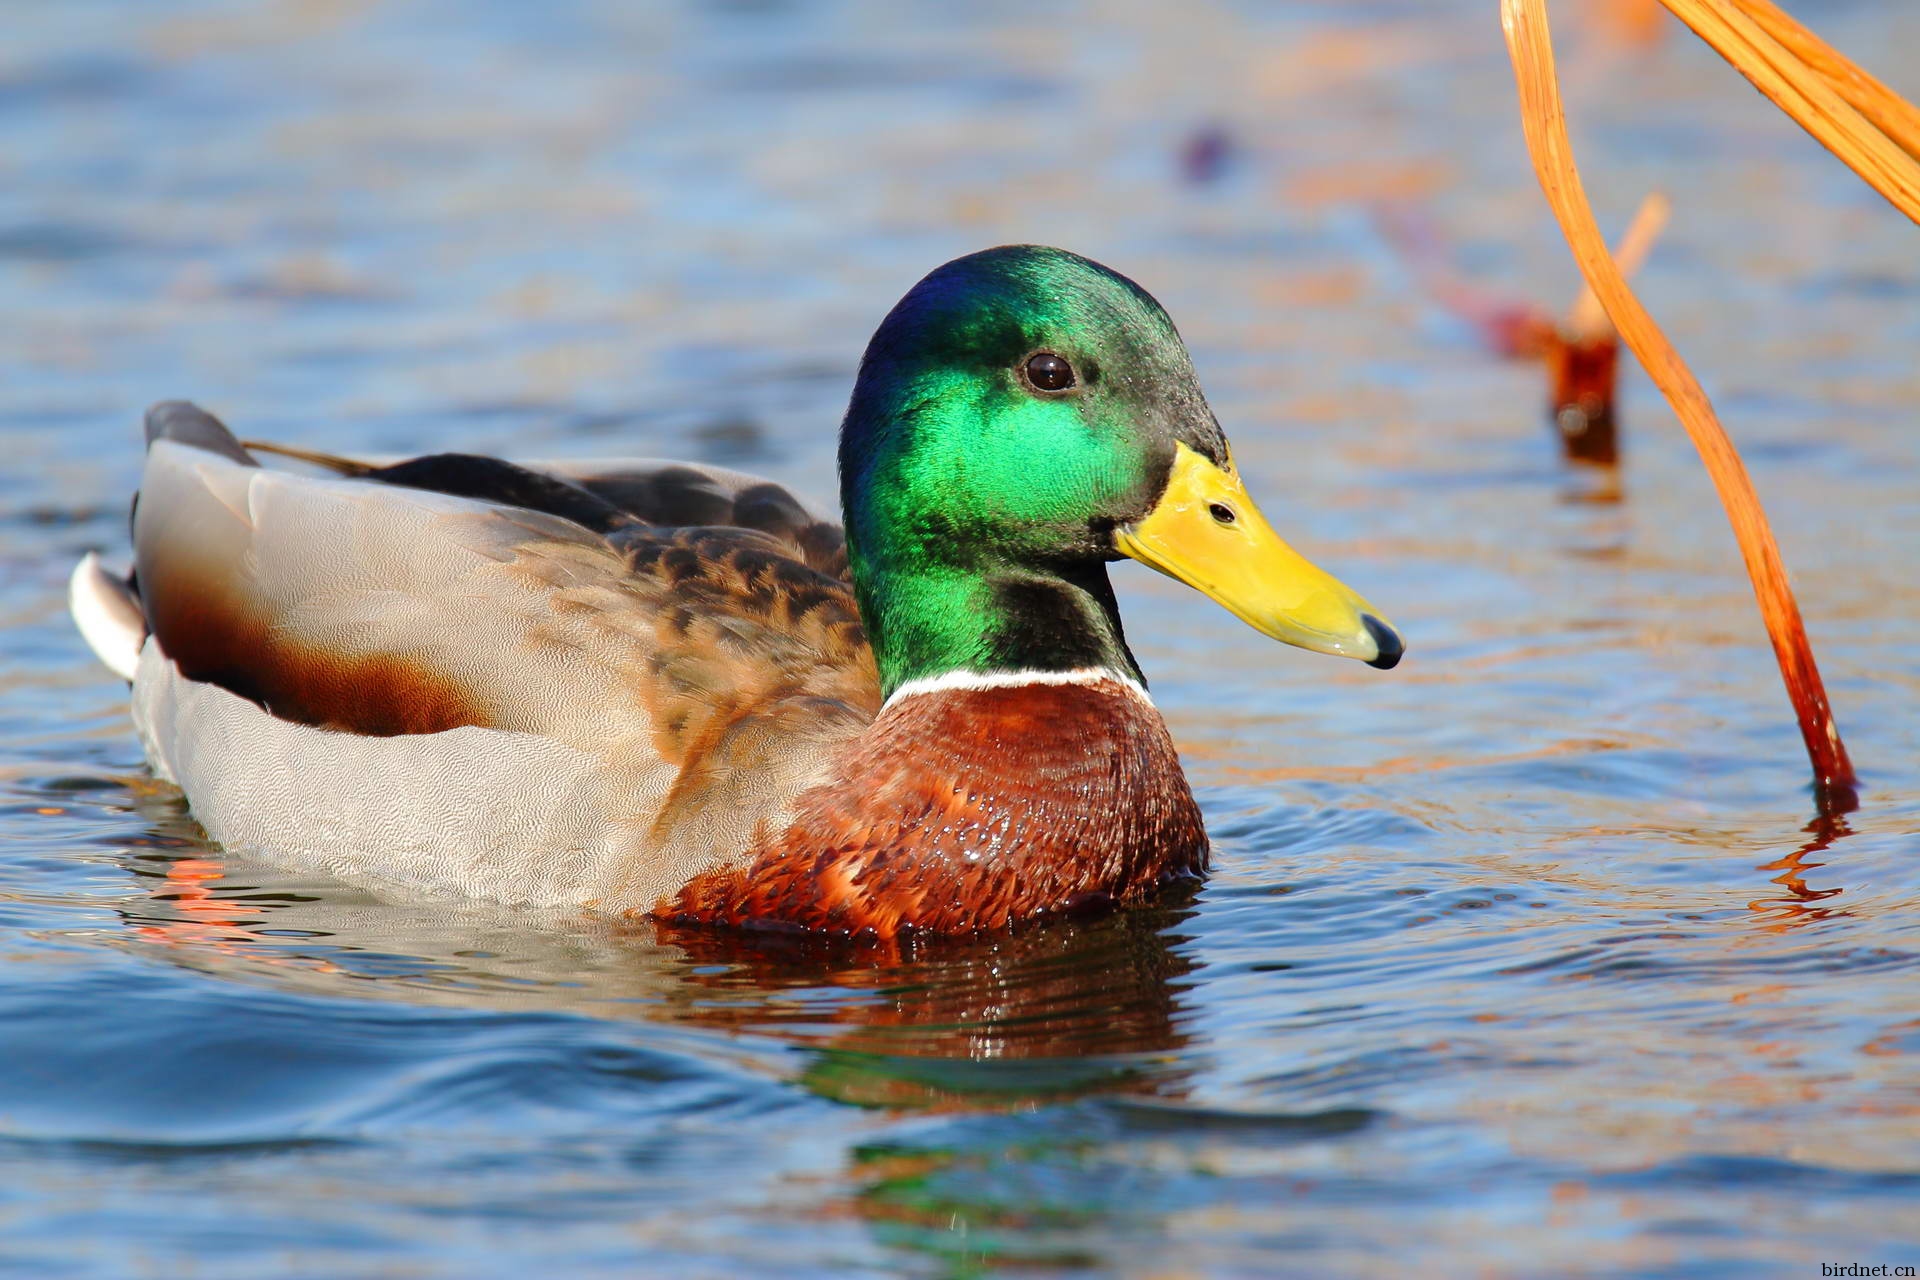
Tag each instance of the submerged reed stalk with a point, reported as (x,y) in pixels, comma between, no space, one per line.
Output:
(1531,47)
(1582,355)
(1579,351)
(1587,319)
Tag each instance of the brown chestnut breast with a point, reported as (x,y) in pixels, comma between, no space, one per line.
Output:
(971,808)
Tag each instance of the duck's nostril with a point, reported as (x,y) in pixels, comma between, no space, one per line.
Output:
(1386,639)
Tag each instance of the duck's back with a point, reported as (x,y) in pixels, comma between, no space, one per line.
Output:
(451,693)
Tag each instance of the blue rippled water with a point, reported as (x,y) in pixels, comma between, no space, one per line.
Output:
(1525,959)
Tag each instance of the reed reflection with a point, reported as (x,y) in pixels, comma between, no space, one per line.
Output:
(1798,903)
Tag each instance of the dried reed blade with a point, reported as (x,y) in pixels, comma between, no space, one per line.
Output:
(1805,94)
(1588,319)
(1544,121)
(1892,114)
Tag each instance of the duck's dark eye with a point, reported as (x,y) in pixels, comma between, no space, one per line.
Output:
(1049,372)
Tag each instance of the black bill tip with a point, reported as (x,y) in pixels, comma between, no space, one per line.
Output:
(1386,639)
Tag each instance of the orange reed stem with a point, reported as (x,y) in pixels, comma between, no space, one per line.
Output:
(1820,94)
(1892,114)
(1531,46)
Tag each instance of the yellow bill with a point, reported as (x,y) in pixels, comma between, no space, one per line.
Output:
(1207,533)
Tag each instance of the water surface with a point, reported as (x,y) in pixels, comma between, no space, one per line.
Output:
(1520,960)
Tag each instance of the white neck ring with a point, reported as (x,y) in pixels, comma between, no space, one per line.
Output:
(973,681)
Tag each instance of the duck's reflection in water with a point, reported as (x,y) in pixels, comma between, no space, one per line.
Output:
(1056,1010)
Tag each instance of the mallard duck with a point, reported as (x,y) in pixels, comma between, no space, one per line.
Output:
(661,689)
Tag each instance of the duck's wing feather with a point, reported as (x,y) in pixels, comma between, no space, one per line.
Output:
(389,609)
(708,657)
(662,492)
(608,495)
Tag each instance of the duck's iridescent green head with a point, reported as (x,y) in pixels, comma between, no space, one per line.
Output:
(1022,417)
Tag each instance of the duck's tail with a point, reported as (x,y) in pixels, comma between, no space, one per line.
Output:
(105,605)
(108,614)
